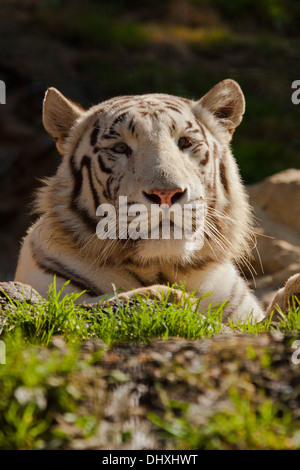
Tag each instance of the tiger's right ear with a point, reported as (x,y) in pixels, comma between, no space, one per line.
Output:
(59,115)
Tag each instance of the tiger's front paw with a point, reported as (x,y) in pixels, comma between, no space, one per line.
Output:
(284,295)
(156,292)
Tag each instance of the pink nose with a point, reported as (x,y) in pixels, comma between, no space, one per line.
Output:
(165,195)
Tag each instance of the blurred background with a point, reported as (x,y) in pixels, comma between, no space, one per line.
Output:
(93,50)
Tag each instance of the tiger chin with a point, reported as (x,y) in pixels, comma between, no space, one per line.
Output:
(158,150)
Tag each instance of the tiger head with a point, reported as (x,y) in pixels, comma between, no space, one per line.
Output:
(155,149)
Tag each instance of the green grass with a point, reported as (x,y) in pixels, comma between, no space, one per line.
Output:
(243,426)
(63,315)
(36,387)
(47,394)
(60,315)
(286,323)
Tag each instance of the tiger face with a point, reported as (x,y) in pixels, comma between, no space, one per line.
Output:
(155,149)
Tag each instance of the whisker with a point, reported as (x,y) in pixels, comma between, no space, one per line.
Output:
(223,243)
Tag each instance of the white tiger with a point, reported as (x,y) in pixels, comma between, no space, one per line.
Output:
(154,149)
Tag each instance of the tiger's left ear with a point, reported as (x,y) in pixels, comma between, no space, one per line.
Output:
(226,102)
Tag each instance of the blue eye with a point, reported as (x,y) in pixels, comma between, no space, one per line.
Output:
(184,143)
(121,147)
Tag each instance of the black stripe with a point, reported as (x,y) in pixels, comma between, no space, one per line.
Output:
(197,264)
(131,126)
(114,133)
(223,176)
(87,162)
(99,181)
(104,168)
(161,279)
(119,103)
(94,136)
(145,113)
(173,103)
(173,124)
(109,182)
(120,118)
(205,160)
(108,136)
(136,277)
(74,234)
(78,181)
(112,158)
(215,151)
(174,109)
(203,132)
(196,148)
(55,268)
(116,190)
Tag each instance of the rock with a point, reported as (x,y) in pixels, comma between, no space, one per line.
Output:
(279,197)
(277,255)
(18,291)
(284,295)
(226,330)
(276,203)
(59,343)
